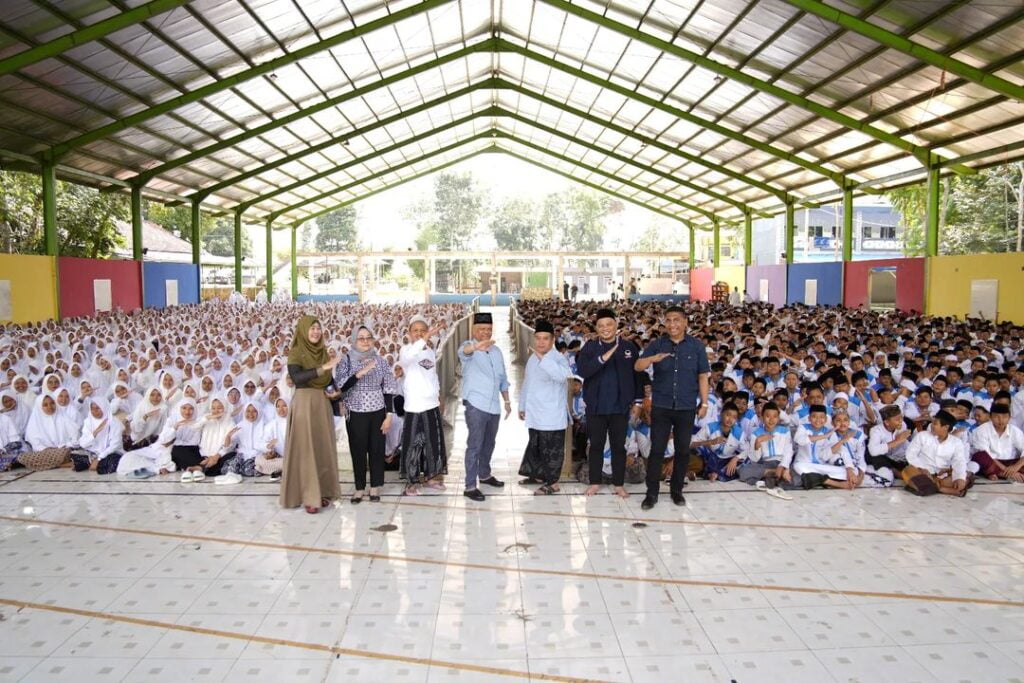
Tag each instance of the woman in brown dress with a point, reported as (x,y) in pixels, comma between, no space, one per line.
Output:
(310,474)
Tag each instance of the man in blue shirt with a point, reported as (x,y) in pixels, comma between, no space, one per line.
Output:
(483,378)
(681,373)
(543,404)
(611,388)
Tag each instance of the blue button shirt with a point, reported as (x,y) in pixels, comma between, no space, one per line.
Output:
(675,385)
(544,394)
(483,378)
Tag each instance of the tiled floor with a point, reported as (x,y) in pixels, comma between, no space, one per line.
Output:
(146,581)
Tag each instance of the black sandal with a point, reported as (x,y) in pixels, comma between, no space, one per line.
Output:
(544,490)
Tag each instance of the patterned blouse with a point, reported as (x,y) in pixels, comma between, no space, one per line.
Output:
(369,393)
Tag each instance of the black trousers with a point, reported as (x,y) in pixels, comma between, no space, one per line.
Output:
(366,442)
(680,424)
(878,461)
(612,427)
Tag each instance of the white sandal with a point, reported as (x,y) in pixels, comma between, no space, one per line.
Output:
(198,475)
(777,492)
(186,477)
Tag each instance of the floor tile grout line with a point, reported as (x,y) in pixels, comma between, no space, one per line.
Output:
(316,647)
(924,597)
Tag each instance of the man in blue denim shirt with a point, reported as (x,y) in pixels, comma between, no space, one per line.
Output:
(681,373)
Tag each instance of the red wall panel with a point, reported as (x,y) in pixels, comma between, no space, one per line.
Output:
(909,283)
(76,276)
(700,283)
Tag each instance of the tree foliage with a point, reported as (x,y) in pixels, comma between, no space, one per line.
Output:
(86,219)
(219,240)
(977,213)
(338,231)
(177,219)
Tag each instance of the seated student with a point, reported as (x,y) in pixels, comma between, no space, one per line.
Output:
(248,442)
(922,409)
(887,445)
(848,444)
(769,451)
(815,461)
(11,442)
(961,410)
(814,395)
(747,414)
(50,436)
(937,461)
(101,437)
(147,420)
(271,461)
(786,418)
(861,403)
(998,446)
(720,445)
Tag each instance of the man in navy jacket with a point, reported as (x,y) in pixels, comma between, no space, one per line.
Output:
(611,389)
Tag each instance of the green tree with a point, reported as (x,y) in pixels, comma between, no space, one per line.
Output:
(516,225)
(450,221)
(219,240)
(177,219)
(86,219)
(337,230)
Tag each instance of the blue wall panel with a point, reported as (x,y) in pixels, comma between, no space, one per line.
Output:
(154,287)
(828,275)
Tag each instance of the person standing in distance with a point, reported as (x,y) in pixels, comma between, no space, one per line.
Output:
(543,404)
(681,376)
(611,388)
(483,378)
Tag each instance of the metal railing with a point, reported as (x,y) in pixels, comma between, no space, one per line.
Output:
(449,370)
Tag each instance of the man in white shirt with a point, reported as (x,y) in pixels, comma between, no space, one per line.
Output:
(937,461)
(997,446)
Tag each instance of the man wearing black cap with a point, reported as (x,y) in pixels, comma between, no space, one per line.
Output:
(681,372)
(543,404)
(611,388)
(483,378)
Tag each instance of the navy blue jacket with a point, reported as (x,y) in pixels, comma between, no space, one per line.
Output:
(676,383)
(610,388)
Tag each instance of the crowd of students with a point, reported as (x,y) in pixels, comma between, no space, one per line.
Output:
(818,396)
(202,390)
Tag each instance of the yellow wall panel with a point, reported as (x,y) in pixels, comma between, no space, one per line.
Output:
(949,283)
(735,276)
(33,288)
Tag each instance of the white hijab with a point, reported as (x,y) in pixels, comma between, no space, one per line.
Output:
(49,431)
(19,415)
(215,431)
(108,439)
(143,427)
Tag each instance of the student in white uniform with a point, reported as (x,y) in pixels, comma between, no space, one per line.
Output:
(937,461)
(998,446)
(101,436)
(769,452)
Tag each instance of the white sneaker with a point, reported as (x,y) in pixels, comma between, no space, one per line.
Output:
(228,479)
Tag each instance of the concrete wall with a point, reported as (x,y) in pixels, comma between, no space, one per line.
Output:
(154,280)
(776,276)
(829,277)
(949,284)
(910,283)
(28,288)
(79,275)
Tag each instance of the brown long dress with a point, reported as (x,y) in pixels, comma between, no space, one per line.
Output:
(310,470)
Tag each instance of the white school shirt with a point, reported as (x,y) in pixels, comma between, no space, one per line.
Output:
(1008,446)
(928,453)
(779,448)
(814,452)
(421,386)
(878,443)
(852,452)
(912,411)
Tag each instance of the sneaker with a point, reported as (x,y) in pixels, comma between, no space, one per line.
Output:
(229,479)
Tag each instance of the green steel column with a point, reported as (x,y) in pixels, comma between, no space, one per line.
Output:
(196,244)
(716,255)
(270,259)
(693,246)
(790,229)
(748,238)
(295,267)
(137,222)
(50,207)
(238,251)
(848,224)
(931,228)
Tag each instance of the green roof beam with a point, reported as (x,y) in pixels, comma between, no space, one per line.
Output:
(737,75)
(363,159)
(267,67)
(909,47)
(87,34)
(348,95)
(340,139)
(836,176)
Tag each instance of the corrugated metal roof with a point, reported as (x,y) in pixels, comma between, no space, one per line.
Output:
(697,108)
